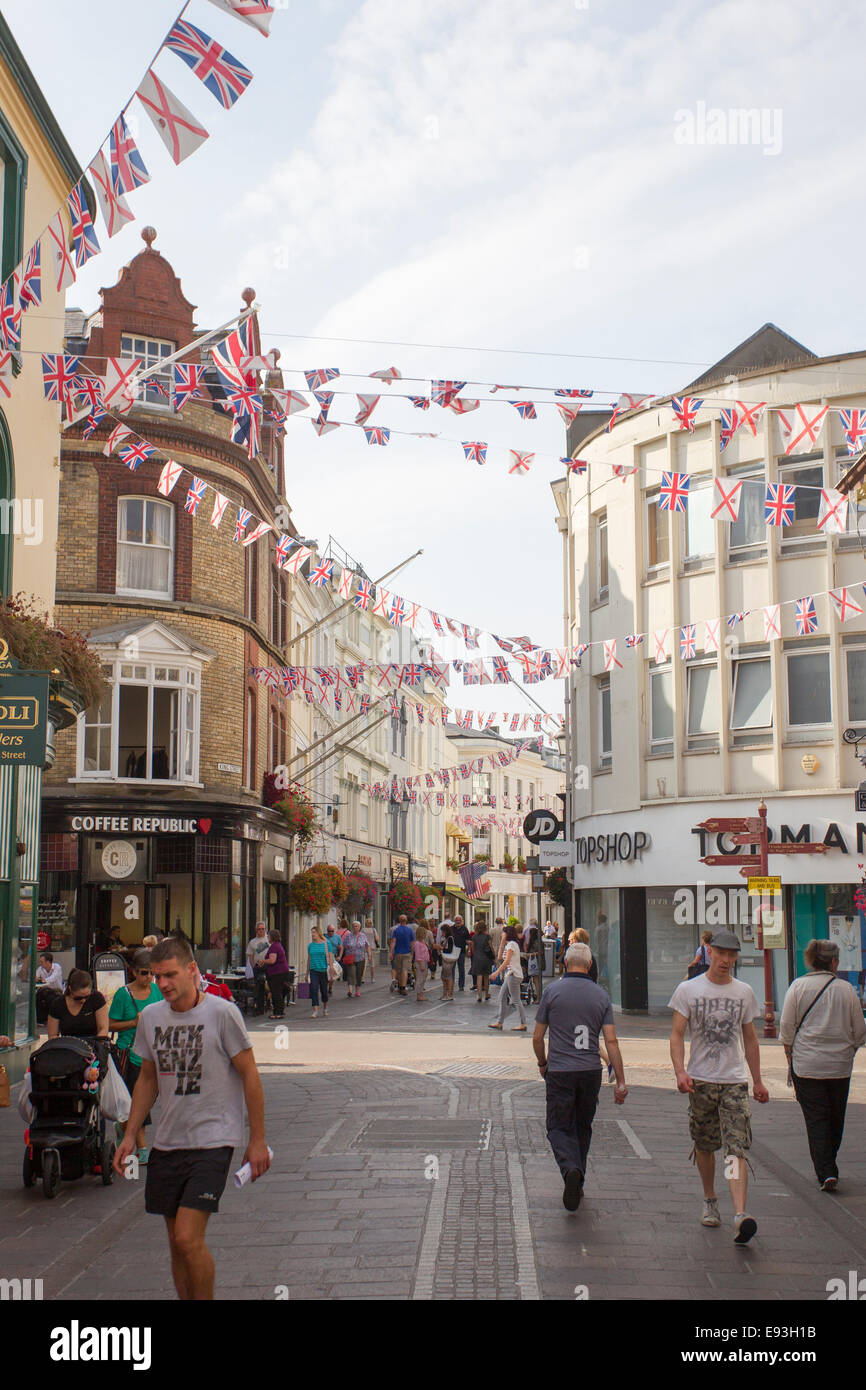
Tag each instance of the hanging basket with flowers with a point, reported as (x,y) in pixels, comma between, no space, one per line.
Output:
(404,898)
(297,811)
(361,893)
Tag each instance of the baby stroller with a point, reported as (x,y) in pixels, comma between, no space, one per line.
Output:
(67,1136)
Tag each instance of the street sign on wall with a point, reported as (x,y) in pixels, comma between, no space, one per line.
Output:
(23,716)
(555,854)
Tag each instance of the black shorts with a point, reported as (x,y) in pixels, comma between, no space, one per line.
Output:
(186,1178)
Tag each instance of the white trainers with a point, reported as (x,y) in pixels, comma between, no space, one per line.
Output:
(744,1228)
(711,1215)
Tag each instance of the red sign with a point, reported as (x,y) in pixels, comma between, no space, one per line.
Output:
(797,849)
(43,941)
(753,860)
(740,824)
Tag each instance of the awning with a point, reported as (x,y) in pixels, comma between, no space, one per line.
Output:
(464,897)
(457,832)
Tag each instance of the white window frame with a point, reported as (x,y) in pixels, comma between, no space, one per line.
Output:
(801,533)
(148,358)
(850,536)
(651,499)
(751,475)
(821,649)
(141,672)
(602,589)
(704,490)
(605,755)
(660,745)
(852,647)
(709,738)
(736,663)
(154,502)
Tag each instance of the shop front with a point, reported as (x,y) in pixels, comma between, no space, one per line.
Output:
(373,863)
(110,877)
(276,858)
(645,926)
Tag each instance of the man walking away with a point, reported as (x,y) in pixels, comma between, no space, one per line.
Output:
(198,1059)
(461,937)
(720,1014)
(577,1012)
(257,948)
(821,1028)
(402,941)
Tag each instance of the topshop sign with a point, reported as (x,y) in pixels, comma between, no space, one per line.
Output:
(625,848)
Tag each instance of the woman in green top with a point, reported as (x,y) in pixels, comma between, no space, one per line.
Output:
(126,1005)
(318,962)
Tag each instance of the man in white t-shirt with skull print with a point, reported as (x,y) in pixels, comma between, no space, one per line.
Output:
(719,1013)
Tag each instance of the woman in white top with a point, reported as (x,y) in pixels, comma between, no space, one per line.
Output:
(821,1028)
(512,969)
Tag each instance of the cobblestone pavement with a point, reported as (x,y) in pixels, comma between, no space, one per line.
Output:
(411,1163)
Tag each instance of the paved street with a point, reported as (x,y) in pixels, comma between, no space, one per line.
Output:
(411,1163)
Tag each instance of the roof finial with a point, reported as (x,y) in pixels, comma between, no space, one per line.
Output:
(148,235)
(248,296)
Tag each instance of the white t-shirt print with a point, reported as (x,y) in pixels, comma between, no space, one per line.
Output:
(716,1014)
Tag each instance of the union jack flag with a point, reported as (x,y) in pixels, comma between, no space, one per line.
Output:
(443,392)
(470,636)
(397,612)
(320,376)
(853,422)
(10,315)
(805,616)
(197,490)
(578,466)
(245,430)
(687,641)
(326,400)
(413,676)
(115,210)
(188,378)
(525,409)
(91,387)
(572,393)
(30,292)
(685,410)
(364,594)
(730,423)
(127,166)
(84,240)
(674,492)
(436,621)
(779,504)
(133,455)
(94,420)
(243,400)
(475,450)
(355,675)
(58,375)
(738,618)
(243,520)
(377,434)
(325,675)
(230,355)
(501,673)
(521,461)
(634,640)
(420,402)
(224,76)
(321,575)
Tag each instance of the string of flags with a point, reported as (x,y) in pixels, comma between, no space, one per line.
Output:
(70,239)
(408,788)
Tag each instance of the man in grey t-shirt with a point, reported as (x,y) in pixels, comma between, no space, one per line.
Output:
(576,1011)
(198,1059)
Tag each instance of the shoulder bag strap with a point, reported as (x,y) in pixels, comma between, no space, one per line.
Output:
(821,991)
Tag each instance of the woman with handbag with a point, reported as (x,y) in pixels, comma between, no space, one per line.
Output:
(821,1028)
(448,954)
(701,962)
(483,961)
(126,1004)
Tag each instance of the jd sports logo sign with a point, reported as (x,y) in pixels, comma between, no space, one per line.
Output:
(541,825)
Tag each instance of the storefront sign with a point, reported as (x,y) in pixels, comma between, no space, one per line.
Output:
(109,974)
(833,838)
(556,853)
(612,849)
(140,825)
(400,865)
(119,859)
(23,712)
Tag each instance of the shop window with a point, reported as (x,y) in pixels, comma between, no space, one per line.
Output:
(748,532)
(661,709)
(702,704)
(855,659)
(808,688)
(657,542)
(145,547)
(157,388)
(751,696)
(146,725)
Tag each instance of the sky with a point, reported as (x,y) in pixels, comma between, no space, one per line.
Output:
(489,191)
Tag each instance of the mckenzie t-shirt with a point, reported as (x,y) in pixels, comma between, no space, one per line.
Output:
(403,938)
(716,1014)
(575,1011)
(201,1094)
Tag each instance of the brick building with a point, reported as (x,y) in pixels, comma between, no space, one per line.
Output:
(153,811)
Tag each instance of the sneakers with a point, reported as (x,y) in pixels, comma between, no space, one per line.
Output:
(573,1189)
(711,1215)
(829,1184)
(744,1228)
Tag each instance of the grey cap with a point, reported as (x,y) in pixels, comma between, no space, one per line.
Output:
(725,941)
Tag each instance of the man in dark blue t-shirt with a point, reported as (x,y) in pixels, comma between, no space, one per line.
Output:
(402,941)
(577,1012)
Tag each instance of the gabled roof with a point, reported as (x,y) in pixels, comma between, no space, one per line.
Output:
(151,637)
(769,347)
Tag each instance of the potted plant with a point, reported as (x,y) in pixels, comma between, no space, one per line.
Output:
(309,892)
(508,863)
(404,898)
(360,894)
(521,864)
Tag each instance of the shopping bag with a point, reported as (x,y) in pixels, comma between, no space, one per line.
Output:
(335,971)
(26,1108)
(115,1101)
(5,1089)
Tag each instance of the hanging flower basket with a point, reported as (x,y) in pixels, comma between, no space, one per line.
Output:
(557,887)
(297,811)
(361,893)
(404,898)
(317,889)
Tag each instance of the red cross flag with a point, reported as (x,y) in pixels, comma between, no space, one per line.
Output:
(610,657)
(711,634)
(117,436)
(367,404)
(171,471)
(176,126)
(382,604)
(119,389)
(750,415)
(219,505)
(115,210)
(833,511)
(807,422)
(257,13)
(345,584)
(844,604)
(62,269)
(660,640)
(726,495)
(297,558)
(520,462)
(772,622)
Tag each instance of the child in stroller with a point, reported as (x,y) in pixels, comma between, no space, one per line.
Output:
(68,1135)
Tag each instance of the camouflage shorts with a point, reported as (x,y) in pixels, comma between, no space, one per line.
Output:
(719,1117)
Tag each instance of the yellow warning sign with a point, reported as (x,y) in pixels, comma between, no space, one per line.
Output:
(758,887)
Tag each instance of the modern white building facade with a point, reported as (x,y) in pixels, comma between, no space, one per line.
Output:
(659,745)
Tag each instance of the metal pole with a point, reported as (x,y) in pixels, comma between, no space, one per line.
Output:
(349,602)
(769,1011)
